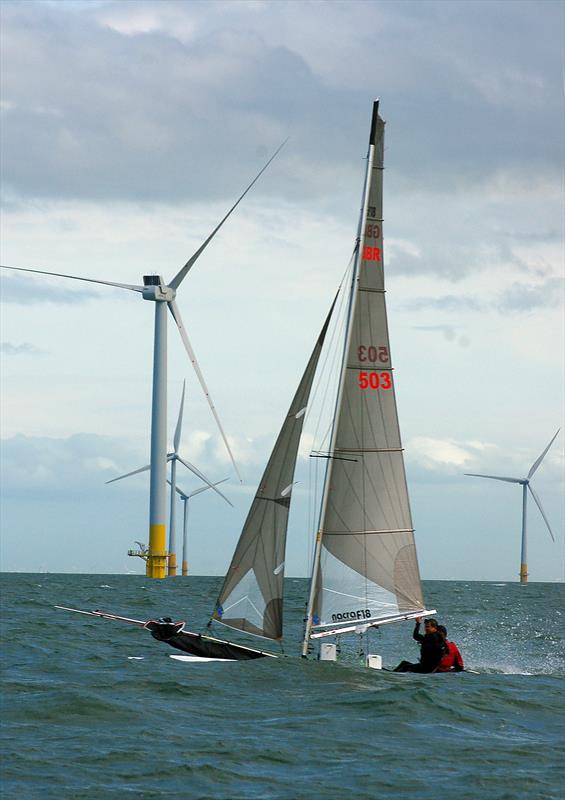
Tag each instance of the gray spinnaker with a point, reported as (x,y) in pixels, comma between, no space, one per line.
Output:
(251,598)
(367,568)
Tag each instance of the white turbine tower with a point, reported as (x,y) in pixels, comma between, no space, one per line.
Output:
(185,498)
(173,458)
(163,295)
(525,483)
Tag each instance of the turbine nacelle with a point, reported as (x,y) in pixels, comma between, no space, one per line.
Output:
(155,289)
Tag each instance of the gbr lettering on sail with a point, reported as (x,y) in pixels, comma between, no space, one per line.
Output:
(373,353)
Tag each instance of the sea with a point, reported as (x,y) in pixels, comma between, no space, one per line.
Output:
(94,709)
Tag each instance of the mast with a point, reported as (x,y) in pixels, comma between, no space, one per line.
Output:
(352,304)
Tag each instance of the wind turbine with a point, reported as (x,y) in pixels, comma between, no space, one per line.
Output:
(163,295)
(525,483)
(173,458)
(185,498)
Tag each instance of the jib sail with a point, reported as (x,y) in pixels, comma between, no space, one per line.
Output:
(251,598)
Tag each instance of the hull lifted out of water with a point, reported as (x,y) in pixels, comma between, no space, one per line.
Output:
(196,644)
(173,634)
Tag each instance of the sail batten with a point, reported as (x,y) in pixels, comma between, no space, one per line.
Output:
(366,532)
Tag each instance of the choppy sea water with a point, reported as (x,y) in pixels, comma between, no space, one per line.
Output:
(94,709)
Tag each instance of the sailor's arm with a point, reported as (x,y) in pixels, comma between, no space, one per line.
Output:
(416,634)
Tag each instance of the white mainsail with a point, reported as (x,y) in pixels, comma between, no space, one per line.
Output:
(365,565)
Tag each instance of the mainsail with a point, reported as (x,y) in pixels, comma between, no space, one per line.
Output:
(365,567)
(251,597)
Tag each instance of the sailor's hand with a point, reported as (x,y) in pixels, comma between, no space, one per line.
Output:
(418,620)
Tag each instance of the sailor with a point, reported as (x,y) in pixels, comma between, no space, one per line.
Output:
(164,628)
(432,649)
(451,661)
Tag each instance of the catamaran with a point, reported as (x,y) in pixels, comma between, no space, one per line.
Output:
(365,568)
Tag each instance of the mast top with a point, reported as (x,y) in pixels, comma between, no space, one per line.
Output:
(374,122)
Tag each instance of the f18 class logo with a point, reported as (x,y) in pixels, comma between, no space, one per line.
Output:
(362,613)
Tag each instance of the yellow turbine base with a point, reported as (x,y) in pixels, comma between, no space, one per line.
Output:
(172,564)
(157,557)
(185,567)
(523,573)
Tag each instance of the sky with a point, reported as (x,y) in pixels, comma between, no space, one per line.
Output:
(129,128)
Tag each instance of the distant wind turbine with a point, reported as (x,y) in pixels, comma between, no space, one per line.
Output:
(525,482)
(163,295)
(173,458)
(185,498)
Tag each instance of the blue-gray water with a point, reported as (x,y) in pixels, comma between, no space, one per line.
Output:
(82,719)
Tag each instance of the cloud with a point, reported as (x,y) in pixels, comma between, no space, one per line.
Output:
(449,302)
(23,349)
(434,459)
(138,100)
(39,462)
(439,451)
(527,297)
(87,461)
(156,114)
(449,333)
(517,298)
(25,290)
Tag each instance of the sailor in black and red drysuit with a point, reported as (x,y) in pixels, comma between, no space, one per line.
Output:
(432,648)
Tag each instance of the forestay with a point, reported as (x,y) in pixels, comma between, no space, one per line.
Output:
(251,598)
(367,567)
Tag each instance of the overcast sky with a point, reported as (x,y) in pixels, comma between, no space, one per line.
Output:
(128,128)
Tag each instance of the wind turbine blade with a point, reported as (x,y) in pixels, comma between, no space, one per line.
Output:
(191,354)
(538,503)
(203,477)
(494,477)
(176,440)
(205,488)
(536,464)
(184,495)
(127,475)
(131,286)
(180,276)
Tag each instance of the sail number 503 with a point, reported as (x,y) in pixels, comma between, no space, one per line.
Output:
(372,353)
(375,380)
